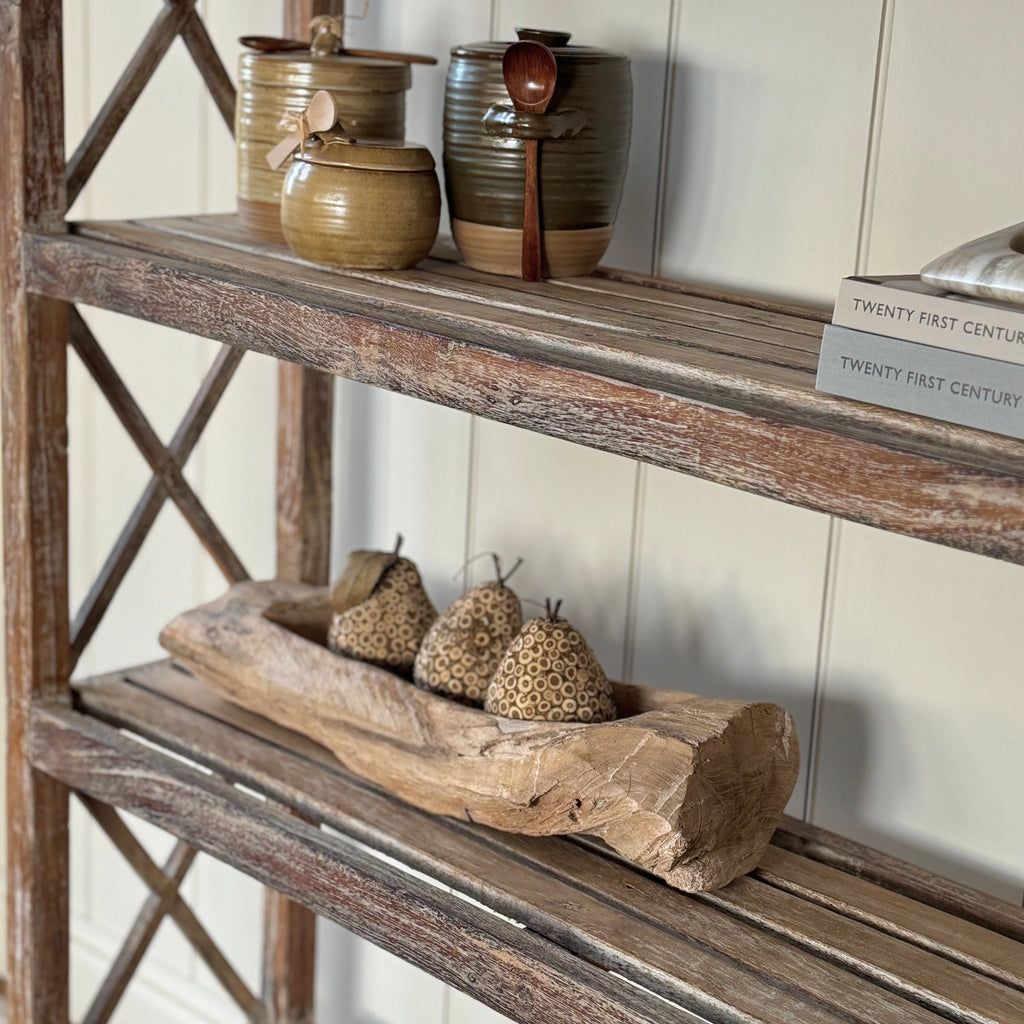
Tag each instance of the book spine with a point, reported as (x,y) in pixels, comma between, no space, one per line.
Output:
(961,325)
(951,386)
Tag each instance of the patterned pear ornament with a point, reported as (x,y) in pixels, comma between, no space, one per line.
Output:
(380,610)
(464,645)
(549,673)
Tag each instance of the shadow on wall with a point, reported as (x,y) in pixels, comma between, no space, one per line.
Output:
(717,652)
(844,769)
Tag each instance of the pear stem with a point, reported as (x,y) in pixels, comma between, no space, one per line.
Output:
(553,612)
(399,540)
(497,565)
(497,569)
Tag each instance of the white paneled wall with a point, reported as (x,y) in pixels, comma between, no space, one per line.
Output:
(776,147)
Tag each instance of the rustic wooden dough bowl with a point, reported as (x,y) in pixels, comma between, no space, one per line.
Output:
(689,788)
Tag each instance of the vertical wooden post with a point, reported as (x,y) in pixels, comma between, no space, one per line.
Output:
(33,336)
(305,405)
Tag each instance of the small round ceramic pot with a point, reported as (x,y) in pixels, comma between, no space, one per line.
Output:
(276,87)
(374,206)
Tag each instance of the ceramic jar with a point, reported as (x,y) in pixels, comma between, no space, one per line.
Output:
(274,88)
(583,146)
(360,204)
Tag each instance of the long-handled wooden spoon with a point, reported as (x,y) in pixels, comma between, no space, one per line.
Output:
(530,74)
(271,44)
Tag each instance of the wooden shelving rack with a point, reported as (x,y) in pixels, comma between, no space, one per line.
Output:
(824,931)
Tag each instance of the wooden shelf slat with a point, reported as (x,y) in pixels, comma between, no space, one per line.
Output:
(750,953)
(449,937)
(693,382)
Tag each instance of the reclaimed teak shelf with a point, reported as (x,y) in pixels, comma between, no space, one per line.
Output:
(721,387)
(823,930)
(543,929)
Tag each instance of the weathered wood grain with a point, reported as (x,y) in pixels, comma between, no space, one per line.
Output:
(634,312)
(511,969)
(899,876)
(33,334)
(305,422)
(918,975)
(726,420)
(645,336)
(945,933)
(690,788)
(598,907)
(692,363)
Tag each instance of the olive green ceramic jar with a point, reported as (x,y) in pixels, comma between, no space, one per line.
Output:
(583,144)
(362,205)
(274,88)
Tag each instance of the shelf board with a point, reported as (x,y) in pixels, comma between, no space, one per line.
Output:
(715,386)
(823,932)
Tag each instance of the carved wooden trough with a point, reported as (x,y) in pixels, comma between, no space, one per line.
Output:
(689,788)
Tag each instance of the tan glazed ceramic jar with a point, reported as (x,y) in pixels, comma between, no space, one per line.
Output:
(274,88)
(583,141)
(361,205)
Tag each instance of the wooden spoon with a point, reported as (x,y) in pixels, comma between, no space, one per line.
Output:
(530,74)
(320,115)
(271,44)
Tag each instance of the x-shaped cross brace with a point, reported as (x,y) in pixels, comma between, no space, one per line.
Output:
(164,901)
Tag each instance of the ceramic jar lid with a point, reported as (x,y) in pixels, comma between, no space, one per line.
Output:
(335,72)
(379,155)
(557,42)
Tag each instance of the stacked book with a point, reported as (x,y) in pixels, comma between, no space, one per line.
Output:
(904,344)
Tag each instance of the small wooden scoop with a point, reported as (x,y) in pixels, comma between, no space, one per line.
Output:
(317,117)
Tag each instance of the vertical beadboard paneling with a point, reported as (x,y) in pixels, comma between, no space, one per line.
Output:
(920,750)
(768,129)
(947,155)
(729,598)
(402,468)
(567,512)
(768,134)
(921,724)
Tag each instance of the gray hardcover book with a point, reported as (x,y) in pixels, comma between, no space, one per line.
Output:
(946,385)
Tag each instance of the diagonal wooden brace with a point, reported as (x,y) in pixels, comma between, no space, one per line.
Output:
(152,448)
(165,900)
(162,33)
(135,530)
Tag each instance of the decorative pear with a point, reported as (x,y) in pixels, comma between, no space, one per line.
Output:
(462,648)
(550,673)
(380,610)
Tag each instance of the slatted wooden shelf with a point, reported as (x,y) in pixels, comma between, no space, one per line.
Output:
(716,386)
(824,932)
